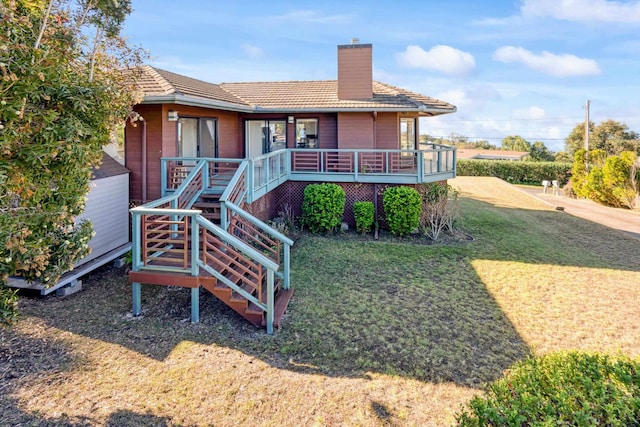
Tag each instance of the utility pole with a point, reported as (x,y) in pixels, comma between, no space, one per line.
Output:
(586,127)
(586,136)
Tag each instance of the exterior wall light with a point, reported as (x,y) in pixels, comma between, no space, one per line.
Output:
(173,116)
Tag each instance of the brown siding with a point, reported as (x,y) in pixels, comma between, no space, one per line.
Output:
(355,130)
(387,125)
(162,142)
(152,115)
(355,71)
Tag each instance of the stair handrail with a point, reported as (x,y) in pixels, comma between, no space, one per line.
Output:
(286,241)
(237,178)
(271,266)
(174,197)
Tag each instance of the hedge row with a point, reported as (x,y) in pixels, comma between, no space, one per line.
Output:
(516,172)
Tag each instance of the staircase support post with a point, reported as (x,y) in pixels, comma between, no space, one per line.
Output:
(195,304)
(287,264)
(270,301)
(136,290)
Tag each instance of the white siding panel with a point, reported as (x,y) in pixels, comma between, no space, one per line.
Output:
(108,209)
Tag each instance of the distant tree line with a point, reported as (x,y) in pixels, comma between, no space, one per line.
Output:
(607,171)
(610,136)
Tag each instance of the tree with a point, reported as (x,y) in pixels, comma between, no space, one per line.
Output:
(562,157)
(516,143)
(62,94)
(611,136)
(540,153)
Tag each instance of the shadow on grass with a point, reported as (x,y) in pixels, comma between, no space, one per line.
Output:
(12,415)
(415,311)
(402,310)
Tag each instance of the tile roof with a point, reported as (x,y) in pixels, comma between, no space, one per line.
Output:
(291,96)
(469,153)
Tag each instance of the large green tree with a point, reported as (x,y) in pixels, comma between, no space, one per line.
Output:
(540,153)
(611,136)
(516,143)
(62,93)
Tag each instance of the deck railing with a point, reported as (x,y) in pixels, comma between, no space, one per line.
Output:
(237,222)
(433,162)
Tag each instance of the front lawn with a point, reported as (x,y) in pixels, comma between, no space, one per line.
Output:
(378,332)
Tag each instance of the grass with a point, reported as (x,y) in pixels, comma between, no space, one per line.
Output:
(378,332)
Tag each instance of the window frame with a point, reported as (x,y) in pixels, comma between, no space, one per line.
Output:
(199,119)
(304,142)
(414,120)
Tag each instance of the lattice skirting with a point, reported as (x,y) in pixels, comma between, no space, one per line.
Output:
(292,193)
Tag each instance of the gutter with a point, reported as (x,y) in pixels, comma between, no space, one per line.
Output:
(229,106)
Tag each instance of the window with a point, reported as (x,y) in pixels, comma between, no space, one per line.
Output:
(197,137)
(408,133)
(306,133)
(265,136)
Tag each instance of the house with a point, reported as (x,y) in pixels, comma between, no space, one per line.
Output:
(239,152)
(470,153)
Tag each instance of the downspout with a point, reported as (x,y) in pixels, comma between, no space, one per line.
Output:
(144,160)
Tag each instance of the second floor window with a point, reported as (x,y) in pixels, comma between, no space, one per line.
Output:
(307,133)
(408,133)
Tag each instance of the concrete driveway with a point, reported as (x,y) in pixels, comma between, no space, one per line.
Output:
(620,219)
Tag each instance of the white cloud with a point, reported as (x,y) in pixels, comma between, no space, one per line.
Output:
(441,58)
(311,17)
(252,52)
(555,65)
(531,113)
(584,10)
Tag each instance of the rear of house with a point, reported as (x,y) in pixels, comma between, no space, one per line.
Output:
(239,152)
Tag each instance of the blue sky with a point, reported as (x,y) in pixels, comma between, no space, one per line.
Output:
(519,67)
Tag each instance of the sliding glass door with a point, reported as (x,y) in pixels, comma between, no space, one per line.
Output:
(197,137)
(264,136)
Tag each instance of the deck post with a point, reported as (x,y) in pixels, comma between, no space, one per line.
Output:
(250,181)
(420,167)
(287,262)
(136,290)
(163,177)
(195,304)
(270,301)
(136,241)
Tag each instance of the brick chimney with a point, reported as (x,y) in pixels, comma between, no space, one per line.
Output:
(355,70)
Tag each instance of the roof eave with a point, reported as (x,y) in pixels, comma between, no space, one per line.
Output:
(424,111)
(229,106)
(195,102)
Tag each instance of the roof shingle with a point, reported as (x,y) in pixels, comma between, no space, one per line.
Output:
(288,95)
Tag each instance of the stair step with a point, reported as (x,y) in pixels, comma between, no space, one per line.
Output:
(236,297)
(206,205)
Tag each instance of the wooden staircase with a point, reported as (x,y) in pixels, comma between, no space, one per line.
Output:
(180,241)
(249,310)
(210,206)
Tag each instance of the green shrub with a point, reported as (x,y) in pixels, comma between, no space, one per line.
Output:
(516,172)
(610,180)
(364,215)
(8,305)
(402,207)
(567,388)
(323,207)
